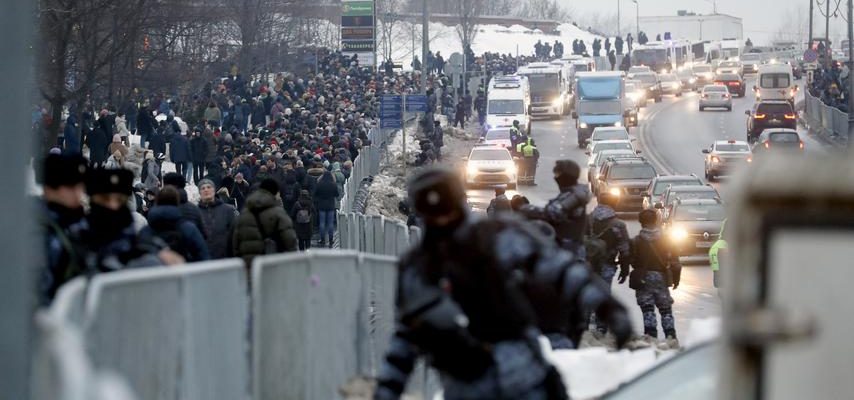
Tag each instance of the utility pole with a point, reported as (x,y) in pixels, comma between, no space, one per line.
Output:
(850,70)
(827,37)
(619,33)
(425,44)
(809,43)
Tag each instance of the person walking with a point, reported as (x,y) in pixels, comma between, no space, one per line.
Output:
(219,219)
(325,195)
(165,222)
(198,155)
(263,226)
(179,153)
(303,214)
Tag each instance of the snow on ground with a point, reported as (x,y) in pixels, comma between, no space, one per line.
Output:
(490,38)
(389,186)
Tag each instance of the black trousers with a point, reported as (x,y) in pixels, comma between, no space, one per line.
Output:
(198,171)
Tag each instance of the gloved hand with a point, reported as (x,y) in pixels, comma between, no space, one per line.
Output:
(623,276)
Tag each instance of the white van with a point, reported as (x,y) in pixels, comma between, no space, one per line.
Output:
(775,82)
(508,98)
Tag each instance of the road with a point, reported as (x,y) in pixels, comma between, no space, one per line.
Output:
(672,135)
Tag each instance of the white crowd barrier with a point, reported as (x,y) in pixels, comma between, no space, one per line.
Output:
(173,333)
(823,119)
(321,319)
(375,234)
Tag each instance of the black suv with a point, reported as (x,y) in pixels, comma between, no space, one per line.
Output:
(625,180)
(770,114)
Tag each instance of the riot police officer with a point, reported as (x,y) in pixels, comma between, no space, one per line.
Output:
(516,136)
(607,245)
(470,297)
(500,203)
(567,212)
(655,268)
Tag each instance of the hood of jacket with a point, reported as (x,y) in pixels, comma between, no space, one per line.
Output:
(336,166)
(315,172)
(164,217)
(650,235)
(260,200)
(603,213)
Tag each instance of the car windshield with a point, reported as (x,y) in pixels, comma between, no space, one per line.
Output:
(774,81)
(661,186)
(506,107)
(610,134)
(691,194)
(733,147)
(600,107)
(702,68)
(498,134)
(784,137)
(634,171)
(490,154)
(605,155)
(700,212)
(599,146)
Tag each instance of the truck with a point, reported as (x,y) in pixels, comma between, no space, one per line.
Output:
(599,101)
(547,82)
(508,98)
(566,86)
(663,56)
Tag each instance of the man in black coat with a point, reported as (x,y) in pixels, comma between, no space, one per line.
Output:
(99,143)
(189,211)
(145,125)
(218,218)
(179,153)
(198,155)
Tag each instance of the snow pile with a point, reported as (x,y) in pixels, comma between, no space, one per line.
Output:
(490,38)
(389,186)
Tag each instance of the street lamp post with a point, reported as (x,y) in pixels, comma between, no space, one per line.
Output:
(637,19)
(850,71)
(619,32)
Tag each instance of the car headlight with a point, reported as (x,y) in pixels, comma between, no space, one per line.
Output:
(557,103)
(615,192)
(582,125)
(750,159)
(715,160)
(511,169)
(692,81)
(618,124)
(472,170)
(678,234)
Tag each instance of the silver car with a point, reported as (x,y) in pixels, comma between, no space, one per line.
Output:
(715,96)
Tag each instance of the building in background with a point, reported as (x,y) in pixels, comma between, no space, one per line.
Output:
(714,27)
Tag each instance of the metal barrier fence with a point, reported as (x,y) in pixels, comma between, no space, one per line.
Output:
(823,119)
(173,333)
(375,234)
(321,319)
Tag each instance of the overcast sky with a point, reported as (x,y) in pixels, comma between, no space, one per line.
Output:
(762,18)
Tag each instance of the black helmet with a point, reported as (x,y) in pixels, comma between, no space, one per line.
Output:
(436,192)
(566,172)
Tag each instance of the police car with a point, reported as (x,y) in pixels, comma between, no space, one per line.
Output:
(724,155)
(490,166)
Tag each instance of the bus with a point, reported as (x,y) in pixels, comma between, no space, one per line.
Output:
(668,55)
(547,83)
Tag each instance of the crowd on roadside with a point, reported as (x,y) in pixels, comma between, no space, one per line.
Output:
(268,155)
(830,85)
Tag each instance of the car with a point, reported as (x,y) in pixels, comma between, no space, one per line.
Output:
(609,133)
(670,84)
(690,374)
(639,69)
(672,193)
(623,181)
(497,137)
(730,67)
(779,140)
(658,185)
(600,145)
(595,163)
(750,62)
(490,165)
(770,114)
(694,225)
(703,73)
(689,81)
(724,155)
(636,93)
(715,96)
(649,81)
(733,82)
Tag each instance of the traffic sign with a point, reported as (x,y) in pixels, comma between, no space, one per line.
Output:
(416,103)
(810,55)
(391,111)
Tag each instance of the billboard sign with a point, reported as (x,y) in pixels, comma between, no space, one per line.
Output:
(358,30)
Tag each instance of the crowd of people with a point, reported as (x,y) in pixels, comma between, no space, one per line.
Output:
(269,157)
(831,85)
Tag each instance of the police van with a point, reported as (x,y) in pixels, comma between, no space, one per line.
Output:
(547,83)
(775,82)
(508,98)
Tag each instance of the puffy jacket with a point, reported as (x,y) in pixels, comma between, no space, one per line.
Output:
(325,194)
(182,236)
(179,150)
(198,149)
(304,231)
(219,219)
(248,239)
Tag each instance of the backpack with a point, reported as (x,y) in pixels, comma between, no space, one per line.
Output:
(303,216)
(271,246)
(596,247)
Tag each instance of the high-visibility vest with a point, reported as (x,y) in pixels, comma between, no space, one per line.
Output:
(528,150)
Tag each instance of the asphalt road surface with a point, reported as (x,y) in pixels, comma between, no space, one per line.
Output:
(672,135)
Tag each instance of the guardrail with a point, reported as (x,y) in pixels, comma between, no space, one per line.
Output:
(825,120)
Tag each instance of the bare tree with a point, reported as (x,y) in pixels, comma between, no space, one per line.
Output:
(388,13)
(468,12)
(543,9)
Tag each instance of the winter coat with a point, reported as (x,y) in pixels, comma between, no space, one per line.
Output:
(182,236)
(304,230)
(198,150)
(210,142)
(213,114)
(218,218)
(248,240)
(290,190)
(157,143)
(152,178)
(340,180)
(326,193)
(72,134)
(179,150)
(239,192)
(121,148)
(99,143)
(145,122)
(122,127)
(311,177)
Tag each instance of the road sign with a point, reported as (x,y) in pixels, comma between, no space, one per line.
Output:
(416,103)
(391,111)
(810,55)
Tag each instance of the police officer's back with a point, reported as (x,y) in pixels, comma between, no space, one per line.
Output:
(500,203)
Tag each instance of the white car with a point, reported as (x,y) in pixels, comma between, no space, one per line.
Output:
(490,165)
(608,133)
(497,137)
(596,147)
(715,96)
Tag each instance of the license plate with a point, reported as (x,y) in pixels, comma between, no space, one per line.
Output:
(704,245)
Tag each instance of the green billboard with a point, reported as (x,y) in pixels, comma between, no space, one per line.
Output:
(357,8)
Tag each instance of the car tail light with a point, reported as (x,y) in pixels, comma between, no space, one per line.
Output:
(726,95)
(759,116)
(750,159)
(790,116)
(801,145)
